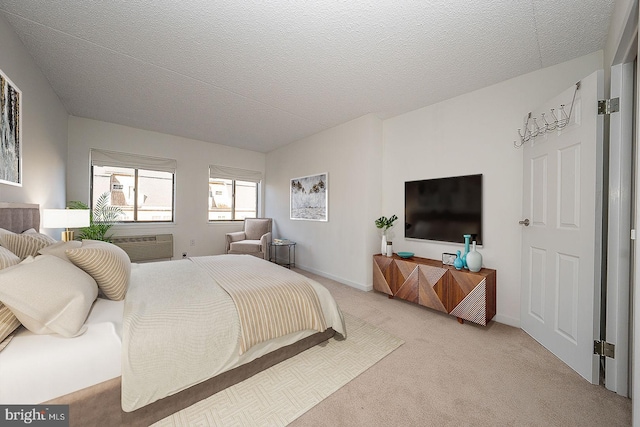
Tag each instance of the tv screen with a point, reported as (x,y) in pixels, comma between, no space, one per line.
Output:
(444,209)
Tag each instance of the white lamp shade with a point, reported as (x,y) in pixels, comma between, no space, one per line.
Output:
(65,218)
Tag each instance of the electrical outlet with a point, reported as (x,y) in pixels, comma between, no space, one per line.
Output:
(193,242)
(184,254)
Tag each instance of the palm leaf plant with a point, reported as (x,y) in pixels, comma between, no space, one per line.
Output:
(101,218)
(385,223)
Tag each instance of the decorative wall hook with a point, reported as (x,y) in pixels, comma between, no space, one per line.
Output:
(560,120)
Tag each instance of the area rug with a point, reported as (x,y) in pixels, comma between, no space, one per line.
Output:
(284,392)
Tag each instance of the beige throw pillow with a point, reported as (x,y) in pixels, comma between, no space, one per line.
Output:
(7,258)
(8,321)
(4,233)
(26,244)
(59,249)
(48,295)
(107,263)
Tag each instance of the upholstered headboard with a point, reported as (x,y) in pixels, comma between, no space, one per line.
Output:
(18,217)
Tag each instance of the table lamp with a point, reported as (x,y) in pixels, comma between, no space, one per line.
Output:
(65,218)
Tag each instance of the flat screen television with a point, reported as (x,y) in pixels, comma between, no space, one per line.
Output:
(444,209)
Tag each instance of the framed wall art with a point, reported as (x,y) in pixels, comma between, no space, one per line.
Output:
(309,197)
(10,132)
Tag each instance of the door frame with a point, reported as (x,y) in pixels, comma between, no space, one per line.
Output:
(623,48)
(616,293)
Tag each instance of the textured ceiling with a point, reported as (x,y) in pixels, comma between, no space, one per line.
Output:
(259,75)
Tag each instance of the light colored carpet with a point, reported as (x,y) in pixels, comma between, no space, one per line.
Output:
(282,393)
(448,374)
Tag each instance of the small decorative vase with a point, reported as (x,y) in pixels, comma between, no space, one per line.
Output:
(383,250)
(457,263)
(467,239)
(389,250)
(474,259)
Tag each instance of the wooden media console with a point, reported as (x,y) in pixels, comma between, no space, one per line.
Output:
(460,293)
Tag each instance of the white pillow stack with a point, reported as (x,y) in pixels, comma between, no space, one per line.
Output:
(49,287)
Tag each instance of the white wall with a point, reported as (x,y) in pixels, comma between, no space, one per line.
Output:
(471,134)
(44,129)
(192,175)
(619,43)
(368,162)
(351,154)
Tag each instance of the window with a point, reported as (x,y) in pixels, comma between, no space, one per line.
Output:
(142,187)
(233,193)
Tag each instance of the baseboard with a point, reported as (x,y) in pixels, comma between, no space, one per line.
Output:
(359,286)
(507,320)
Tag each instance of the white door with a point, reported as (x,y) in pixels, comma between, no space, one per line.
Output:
(561,245)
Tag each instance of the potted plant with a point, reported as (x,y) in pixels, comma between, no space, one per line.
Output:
(384,224)
(101,218)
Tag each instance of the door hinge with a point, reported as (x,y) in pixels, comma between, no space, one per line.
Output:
(608,106)
(604,348)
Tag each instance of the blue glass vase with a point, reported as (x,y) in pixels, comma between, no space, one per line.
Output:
(467,239)
(457,263)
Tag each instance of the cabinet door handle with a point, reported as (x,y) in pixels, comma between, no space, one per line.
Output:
(524,222)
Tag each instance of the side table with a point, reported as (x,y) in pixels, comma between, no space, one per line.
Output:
(273,253)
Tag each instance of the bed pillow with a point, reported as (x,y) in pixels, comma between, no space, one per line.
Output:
(48,295)
(4,343)
(59,249)
(8,321)
(107,263)
(4,233)
(33,232)
(27,243)
(7,258)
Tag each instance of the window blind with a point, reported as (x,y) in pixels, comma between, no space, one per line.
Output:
(126,160)
(227,172)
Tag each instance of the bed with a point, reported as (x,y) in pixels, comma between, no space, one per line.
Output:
(159,349)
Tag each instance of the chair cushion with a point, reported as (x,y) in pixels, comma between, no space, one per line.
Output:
(256,228)
(245,246)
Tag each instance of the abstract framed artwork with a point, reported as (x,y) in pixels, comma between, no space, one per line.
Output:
(309,197)
(10,132)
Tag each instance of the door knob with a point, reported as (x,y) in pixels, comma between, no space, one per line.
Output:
(524,222)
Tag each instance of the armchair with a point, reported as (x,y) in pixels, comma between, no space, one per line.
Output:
(254,239)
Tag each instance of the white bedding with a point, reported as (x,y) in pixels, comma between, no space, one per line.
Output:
(36,368)
(179,313)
